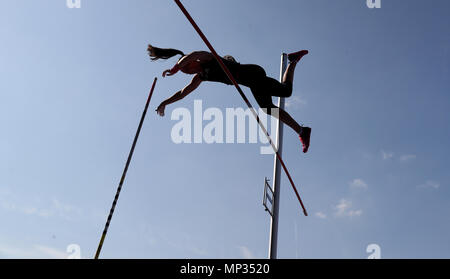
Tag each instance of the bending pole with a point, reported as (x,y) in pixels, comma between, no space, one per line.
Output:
(230,76)
(111,212)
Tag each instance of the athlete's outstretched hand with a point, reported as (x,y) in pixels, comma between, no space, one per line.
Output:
(160,109)
(167,73)
(172,71)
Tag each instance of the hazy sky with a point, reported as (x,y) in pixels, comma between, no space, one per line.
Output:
(374,88)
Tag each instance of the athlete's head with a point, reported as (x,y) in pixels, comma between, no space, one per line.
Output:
(230,58)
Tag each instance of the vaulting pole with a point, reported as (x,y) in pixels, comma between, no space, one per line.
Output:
(230,76)
(130,155)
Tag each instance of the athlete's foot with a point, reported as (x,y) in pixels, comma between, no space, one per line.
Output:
(304,136)
(296,56)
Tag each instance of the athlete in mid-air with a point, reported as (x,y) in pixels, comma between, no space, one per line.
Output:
(205,67)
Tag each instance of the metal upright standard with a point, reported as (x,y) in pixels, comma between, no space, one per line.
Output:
(122,179)
(277,173)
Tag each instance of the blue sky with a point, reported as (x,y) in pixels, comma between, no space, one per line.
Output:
(374,89)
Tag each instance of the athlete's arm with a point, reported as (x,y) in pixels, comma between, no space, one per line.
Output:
(172,71)
(195,82)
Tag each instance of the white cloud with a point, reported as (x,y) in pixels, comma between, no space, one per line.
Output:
(321,215)
(32,252)
(245,252)
(352,213)
(294,102)
(358,183)
(407,157)
(198,251)
(27,210)
(387,155)
(51,208)
(16,253)
(178,240)
(343,209)
(64,210)
(342,206)
(51,252)
(430,184)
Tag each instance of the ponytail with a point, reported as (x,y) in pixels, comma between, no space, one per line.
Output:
(164,53)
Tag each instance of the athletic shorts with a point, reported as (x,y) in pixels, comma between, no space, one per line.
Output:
(264,89)
(252,76)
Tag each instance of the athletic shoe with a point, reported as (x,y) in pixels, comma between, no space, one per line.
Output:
(296,56)
(304,136)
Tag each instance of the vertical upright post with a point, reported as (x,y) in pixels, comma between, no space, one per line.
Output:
(277,172)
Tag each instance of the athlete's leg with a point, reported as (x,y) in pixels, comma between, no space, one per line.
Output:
(288,75)
(293,59)
(287,119)
(265,103)
(274,88)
